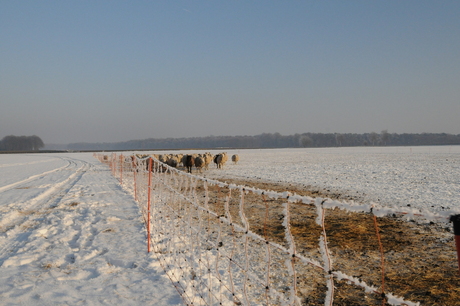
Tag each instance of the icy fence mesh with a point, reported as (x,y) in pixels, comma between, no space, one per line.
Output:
(224,244)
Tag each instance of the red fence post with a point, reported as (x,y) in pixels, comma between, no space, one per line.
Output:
(456,220)
(148,204)
(121,169)
(111,163)
(134,161)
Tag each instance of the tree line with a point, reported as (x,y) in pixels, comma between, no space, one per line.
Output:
(21,143)
(276,140)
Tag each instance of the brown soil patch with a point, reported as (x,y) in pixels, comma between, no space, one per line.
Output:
(420,262)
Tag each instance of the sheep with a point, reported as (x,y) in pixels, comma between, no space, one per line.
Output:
(184,160)
(189,162)
(179,158)
(199,163)
(207,160)
(220,160)
(172,161)
(235,158)
(215,159)
(162,158)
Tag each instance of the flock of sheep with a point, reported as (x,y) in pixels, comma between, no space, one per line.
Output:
(199,161)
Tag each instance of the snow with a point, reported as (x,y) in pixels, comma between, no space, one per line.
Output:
(70,234)
(423,178)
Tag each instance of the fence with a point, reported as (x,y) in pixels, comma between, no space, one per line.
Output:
(226,244)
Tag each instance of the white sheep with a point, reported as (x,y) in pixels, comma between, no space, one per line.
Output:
(207,160)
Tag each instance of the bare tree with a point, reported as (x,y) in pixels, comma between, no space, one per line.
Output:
(373,138)
(385,137)
(339,139)
(305,141)
(21,143)
(36,142)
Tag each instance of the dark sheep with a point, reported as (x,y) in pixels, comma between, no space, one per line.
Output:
(189,162)
(199,163)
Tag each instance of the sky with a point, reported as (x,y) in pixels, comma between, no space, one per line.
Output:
(109,71)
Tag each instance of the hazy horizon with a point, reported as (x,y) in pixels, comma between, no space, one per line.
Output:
(246,135)
(113,71)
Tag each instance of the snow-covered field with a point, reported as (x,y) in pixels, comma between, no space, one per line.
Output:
(69,234)
(426,178)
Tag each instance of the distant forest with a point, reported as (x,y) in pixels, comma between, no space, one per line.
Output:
(21,143)
(276,140)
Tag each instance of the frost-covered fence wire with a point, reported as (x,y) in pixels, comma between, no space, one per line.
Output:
(223,244)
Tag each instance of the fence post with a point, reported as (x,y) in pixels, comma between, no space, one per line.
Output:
(456,220)
(113,164)
(134,161)
(121,169)
(149,190)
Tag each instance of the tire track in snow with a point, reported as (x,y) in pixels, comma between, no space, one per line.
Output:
(33,177)
(57,188)
(28,163)
(14,223)
(50,195)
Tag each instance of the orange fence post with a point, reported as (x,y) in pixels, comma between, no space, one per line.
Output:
(148,204)
(121,169)
(456,220)
(134,175)
(382,258)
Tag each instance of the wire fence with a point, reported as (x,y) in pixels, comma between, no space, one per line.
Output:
(226,244)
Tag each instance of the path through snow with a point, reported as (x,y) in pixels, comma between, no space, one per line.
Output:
(69,235)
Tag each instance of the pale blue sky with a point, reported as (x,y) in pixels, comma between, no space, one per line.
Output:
(106,71)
